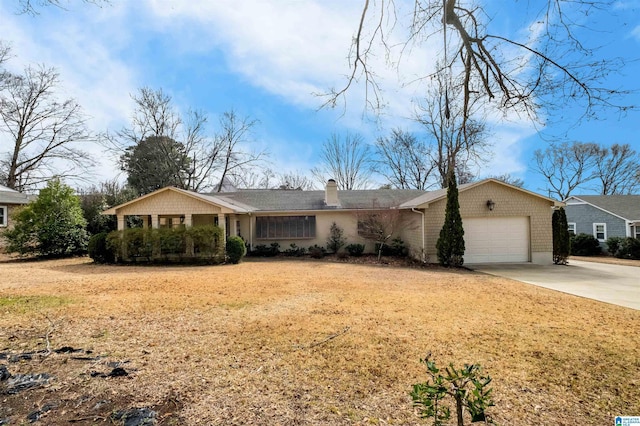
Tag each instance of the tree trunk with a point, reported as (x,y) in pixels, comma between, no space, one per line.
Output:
(459,410)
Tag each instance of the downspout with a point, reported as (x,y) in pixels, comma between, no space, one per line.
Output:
(422,227)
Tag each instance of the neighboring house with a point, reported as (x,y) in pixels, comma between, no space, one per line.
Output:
(502,223)
(604,216)
(9,201)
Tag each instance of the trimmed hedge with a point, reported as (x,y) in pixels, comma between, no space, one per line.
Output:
(98,249)
(355,250)
(629,249)
(236,249)
(167,245)
(585,245)
(262,250)
(613,244)
(395,248)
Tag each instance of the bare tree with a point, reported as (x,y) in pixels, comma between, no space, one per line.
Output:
(5,53)
(258,178)
(231,140)
(589,166)
(567,166)
(549,69)
(457,142)
(508,178)
(154,115)
(44,134)
(154,122)
(30,6)
(618,170)
(212,159)
(295,180)
(345,161)
(379,226)
(404,161)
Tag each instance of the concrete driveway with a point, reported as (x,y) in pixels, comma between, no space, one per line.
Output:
(616,284)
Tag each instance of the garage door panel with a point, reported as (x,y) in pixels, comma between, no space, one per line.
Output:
(496,239)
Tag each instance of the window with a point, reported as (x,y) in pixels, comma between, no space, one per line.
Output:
(572,228)
(3,215)
(600,231)
(637,230)
(278,227)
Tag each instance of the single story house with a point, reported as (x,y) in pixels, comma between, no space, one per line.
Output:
(502,223)
(604,216)
(9,201)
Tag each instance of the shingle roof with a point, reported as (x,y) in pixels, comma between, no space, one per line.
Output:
(10,196)
(292,200)
(625,206)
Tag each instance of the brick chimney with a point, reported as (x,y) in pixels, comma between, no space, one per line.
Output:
(331,194)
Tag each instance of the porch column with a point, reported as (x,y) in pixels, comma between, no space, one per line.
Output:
(155,221)
(121,226)
(222,225)
(145,222)
(188,221)
(233,229)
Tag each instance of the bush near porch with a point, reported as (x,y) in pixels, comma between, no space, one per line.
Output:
(196,244)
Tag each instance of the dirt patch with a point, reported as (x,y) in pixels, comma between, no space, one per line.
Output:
(302,342)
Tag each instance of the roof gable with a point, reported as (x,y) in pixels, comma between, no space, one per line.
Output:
(423,201)
(208,199)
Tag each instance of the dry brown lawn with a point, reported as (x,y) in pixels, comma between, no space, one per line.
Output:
(247,344)
(607,259)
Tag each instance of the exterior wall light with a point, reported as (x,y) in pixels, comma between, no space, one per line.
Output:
(490,204)
(182,219)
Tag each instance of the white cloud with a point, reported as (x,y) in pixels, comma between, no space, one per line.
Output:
(83,46)
(288,48)
(292,49)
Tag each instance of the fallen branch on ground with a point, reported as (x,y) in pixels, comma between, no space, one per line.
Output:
(331,337)
(47,336)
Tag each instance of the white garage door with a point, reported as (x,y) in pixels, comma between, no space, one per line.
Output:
(499,239)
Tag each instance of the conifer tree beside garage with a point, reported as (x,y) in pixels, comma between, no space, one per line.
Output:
(561,237)
(450,245)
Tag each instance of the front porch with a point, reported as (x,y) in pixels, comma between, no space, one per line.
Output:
(228,222)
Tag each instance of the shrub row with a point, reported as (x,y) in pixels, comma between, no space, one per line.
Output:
(585,245)
(164,245)
(396,248)
(624,248)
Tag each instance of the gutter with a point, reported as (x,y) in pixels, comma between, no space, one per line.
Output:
(422,227)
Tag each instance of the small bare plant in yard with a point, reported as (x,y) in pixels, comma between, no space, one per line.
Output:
(466,386)
(379,226)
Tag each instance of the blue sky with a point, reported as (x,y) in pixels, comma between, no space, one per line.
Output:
(267,59)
